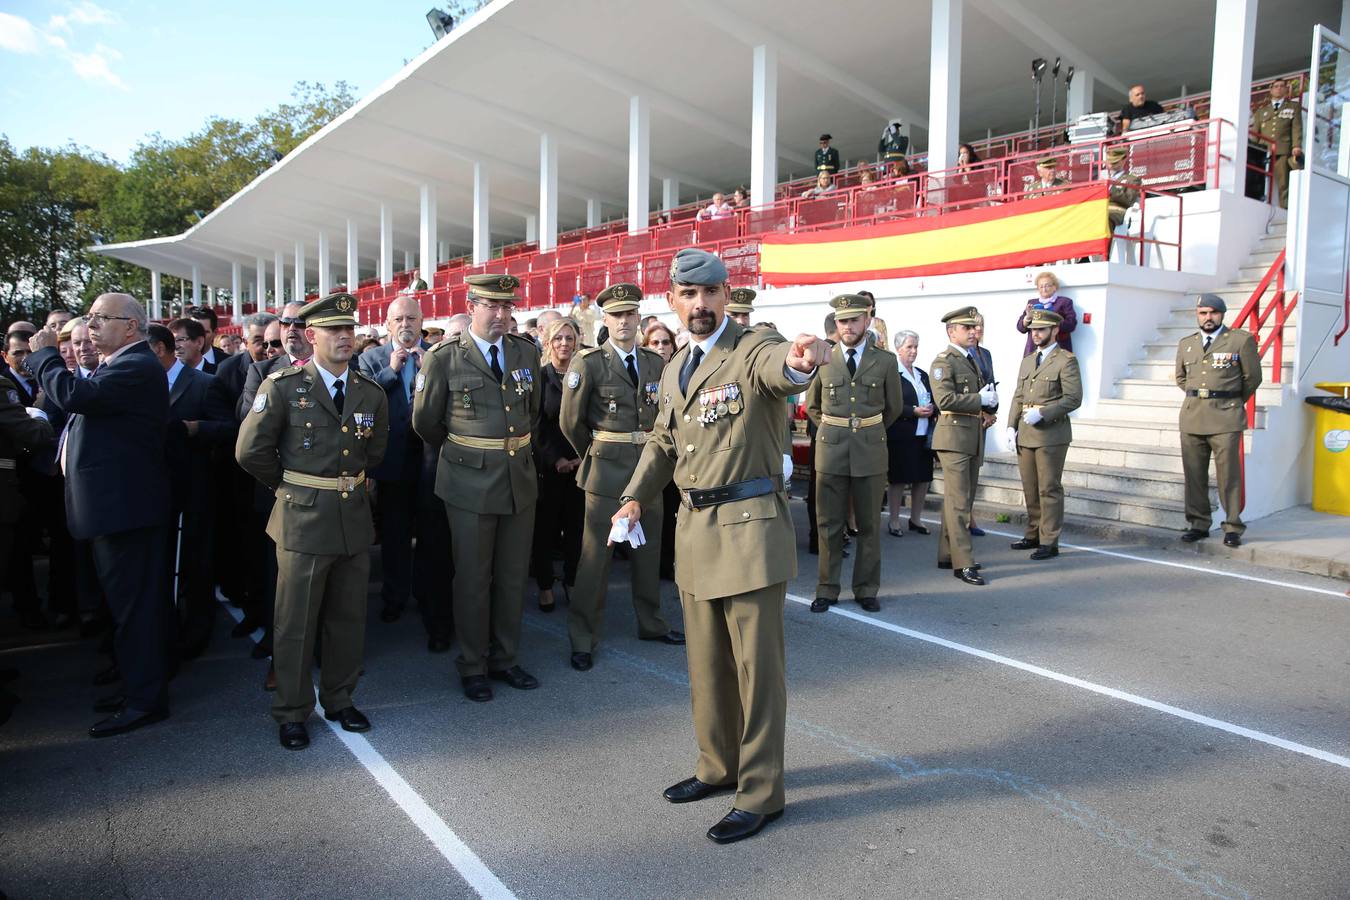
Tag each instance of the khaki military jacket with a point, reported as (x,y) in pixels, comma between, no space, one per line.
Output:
(873,390)
(1284,126)
(293,425)
(1056,389)
(956,382)
(1231,365)
(743,545)
(598,395)
(19,436)
(456,394)
(1123,190)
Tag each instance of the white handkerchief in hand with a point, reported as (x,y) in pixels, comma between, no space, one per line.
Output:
(787,467)
(621,533)
(35,413)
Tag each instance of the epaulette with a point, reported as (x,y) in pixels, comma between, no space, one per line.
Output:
(522,337)
(283,372)
(361,376)
(442,344)
(587,351)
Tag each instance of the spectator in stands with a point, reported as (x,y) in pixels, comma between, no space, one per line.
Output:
(1048,297)
(824,185)
(719,208)
(908,438)
(866,178)
(827,158)
(206,317)
(1047,179)
(966,156)
(1123,187)
(1138,107)
(740,198)
(587,317)
(898,168)
(272,341)
(893,144)
(658,337)
(561,509)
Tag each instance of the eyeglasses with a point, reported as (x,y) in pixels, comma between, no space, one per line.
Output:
(496,308)
(660,342)
(100,318)
(293,323)
(277,344)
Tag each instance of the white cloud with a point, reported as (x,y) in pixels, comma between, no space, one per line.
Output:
(96,66)
(18,35)
(83,13)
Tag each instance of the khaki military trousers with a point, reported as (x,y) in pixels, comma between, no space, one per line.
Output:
(1226,449)
(738,689)
(308,584)
(959,471)
(833,493)
(1281,167)
(587,609)
(1042,471)
(492,561)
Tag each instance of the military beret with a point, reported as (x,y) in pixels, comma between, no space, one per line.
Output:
(742,300)
(1116,154)
(494,287)
(694,266)
(1044,318)
(849,306)
(826,137)
(1213,301)
(334,310)
(966,315)
(1048,162)
(619,298)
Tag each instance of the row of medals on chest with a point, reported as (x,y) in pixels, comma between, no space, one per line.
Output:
(364,422)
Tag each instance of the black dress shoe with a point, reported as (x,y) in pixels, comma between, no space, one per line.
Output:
(1025,544)
(670,637)
(517,677)
(391,614)
(921,529)
(438,644)
(294,735)
(1232,539)
(976,531)
(107,676)
(820,604)
(1191,535)
(243,628)
(870,604)
(851,532)
(969,575)
(582,662)
(476,688)
(125,720)
(692,789)
(1046,552)
(109,704)
(738,825)
(945,565)
(350,718)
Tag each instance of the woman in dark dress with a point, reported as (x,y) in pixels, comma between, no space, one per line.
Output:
(910,464)
(660,338)
(559,514)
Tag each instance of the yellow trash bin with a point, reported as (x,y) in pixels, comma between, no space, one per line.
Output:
(1331,449)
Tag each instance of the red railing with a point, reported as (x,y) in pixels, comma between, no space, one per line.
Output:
(1254,319)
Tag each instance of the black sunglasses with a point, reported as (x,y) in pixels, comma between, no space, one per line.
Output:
(292,322)
(275,343)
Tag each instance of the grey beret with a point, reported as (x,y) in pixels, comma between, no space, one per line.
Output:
(1213,301)
(694,266)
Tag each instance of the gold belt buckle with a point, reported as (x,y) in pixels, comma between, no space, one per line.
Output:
(346,483)
(1202,393)
(855,422)
(512,444)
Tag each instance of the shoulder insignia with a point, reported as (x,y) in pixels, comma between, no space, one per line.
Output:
(283,372)
(442,344)
(573,380)
(260,403)
(13,397)
(587,351)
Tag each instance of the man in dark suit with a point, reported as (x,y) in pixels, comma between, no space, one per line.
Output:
(117,498)
(298,352)
(19,580)
(212,356)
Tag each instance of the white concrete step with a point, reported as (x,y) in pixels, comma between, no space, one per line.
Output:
(1153,511)
(1158,412)
(1135,435)
(1158,389)
(1138,483)
(1113,454)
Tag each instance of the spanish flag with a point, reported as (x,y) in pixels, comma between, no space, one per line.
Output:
(1066,225)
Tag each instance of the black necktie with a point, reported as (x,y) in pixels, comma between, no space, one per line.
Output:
(496,366)
(338,397)
(1039,356)
(852,363)
(695,358)
(1208,338)
(632,370)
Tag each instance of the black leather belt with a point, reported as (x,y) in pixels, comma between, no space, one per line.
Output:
(1207,394)
(702,498)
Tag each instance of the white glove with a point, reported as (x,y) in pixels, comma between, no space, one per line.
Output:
(989,397)
(1010,439)
(35,413)
(787,466)
(620,533)
(1031,416)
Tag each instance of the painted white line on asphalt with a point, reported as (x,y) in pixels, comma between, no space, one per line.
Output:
(1198,718)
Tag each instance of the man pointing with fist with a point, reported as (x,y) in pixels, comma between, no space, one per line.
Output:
(718,431)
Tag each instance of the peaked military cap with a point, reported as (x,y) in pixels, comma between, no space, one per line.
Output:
(1044,318)
(619,298)
(1213,301)
(1116,154)
(966,315)
(849,306)
(694,266)
(826,137)
(742,300)
(333,310)
(494,287)
(1048,162)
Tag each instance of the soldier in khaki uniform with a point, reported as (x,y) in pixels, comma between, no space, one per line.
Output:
(478,398)
(852,401)
(1122,187)
(741,305)
(1217,369)
(311,434)
(957,437)
(1048,389)
(1281,120)
(608,409)
(718,432)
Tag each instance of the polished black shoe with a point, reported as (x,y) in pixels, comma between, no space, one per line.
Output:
(476,688)
(582,662)
(1045,553)
(921,529)
(517,677)
(109,704)
(969,575)
(692,789)
(738,825)
(107,676)
(391,614)
(127,719)
(294,735)
(350,718)
(976,531)
(438,644)
(870,604)
(670,637)
(1191,535)
(820,604)
(1025,544)
(851,532)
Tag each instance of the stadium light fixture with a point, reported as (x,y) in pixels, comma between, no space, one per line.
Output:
(441,22)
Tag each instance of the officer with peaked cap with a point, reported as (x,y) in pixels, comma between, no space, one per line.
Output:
(1123,187)
(478,398)
(959,397)
(1218,369)
(741,305)
(310,436)
(609,406)
(718,432)
(852,401)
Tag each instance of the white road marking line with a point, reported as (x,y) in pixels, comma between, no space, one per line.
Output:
(1199,719)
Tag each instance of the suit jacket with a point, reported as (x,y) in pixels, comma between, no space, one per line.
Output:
(1063,306)
(403,458)
(19,437)
(873,389)
(600,396)
(744,545)
(25,385)
(1232,365)
(198,397)
(210,367)
(1056,389)
(906,424)
(114,444)
(956,393)
(550,444)
(457,394)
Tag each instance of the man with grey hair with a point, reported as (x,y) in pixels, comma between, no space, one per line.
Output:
(456,324)
(117,498)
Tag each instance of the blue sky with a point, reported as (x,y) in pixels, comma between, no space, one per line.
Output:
(104,75)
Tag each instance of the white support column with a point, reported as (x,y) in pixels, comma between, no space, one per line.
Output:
(944,85)
(593,209)
(196,287)
(1080,94)
(426,259)
(531,229)
(353,256)
(386,260)
(298,291)
(548,191)
(670,194)
(764,126)
(482,215)
(1231,86)
(325,266)
(156,297)
(278,281)
(260,287)
(639,163)
(236,290)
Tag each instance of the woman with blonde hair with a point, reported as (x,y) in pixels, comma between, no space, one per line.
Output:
(559,514)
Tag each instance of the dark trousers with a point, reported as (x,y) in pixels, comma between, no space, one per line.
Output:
(227,567)
(130,567)
(434,567)
(61,576)
(670,505)
(190,542)
(87,587)
(559,518)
